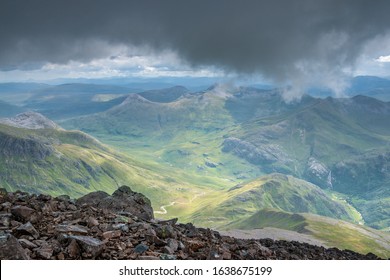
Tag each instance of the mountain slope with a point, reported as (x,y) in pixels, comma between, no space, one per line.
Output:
(164,95)
(314,228)
(30,120)
(276,191)
(341,144)
(240,134)
(56,161)
(139,117)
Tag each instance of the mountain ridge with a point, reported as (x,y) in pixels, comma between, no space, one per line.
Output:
(318,140)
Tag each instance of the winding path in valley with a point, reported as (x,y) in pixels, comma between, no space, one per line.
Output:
(164,210)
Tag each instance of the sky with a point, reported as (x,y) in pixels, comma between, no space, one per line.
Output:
(301,43)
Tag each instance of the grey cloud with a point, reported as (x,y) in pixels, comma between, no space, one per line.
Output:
(283,40)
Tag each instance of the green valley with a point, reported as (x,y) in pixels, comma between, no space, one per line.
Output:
(242,133)
(221,157)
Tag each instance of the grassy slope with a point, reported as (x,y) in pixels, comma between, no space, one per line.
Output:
(80,164)
(350,137)
(171,166)
(319,130)
(275,191)
(181,137)
(334,233)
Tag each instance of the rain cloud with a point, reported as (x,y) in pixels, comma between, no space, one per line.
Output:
(303,42)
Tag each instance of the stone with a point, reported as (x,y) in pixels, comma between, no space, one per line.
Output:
(92,198)
(168,250)
(260,249)
(61,256)
(35,218)
(63,234)
(63,197)
(72,229)
(214,255)
(122,200)
(27,244)
(171,222)
(6,205)
(45,252)
(194,245)
(122,227)
(166,231)
(10,248)
(226,255)
(72,207)
(168,257)
(63,238)
(28,228)
(265,251)
(181,246)
(73,249)
(111,234)
(191,230)
(5,219)
(92,222)
(155,240)
(44,197)
(22,213)
(90,245)
(173,244)
(141,248)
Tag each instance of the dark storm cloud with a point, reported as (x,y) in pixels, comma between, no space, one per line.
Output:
(275,38)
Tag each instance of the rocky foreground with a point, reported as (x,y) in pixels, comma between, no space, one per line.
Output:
(122,226)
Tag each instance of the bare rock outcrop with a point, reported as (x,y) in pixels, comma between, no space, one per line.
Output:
(100,226)
(123,201)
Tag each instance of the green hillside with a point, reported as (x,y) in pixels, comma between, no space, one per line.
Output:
(240,134)
(333,233)
(217,158)
(341,145)
(71,162)
(276,191)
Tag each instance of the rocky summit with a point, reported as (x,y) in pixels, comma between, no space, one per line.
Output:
(122,226)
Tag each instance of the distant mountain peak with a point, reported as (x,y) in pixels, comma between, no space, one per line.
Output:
(31,120)
(135,98)
(165,95)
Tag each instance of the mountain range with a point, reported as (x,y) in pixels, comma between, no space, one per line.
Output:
(230,158)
